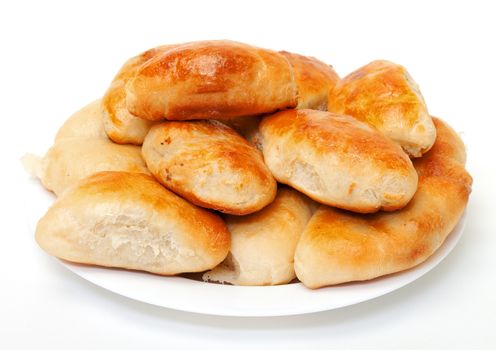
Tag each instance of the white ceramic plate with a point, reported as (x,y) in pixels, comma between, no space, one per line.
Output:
(190,295)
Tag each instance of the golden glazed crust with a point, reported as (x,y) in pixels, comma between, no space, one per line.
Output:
(130,221)
(211,80)
(120,125)
(339,246)
(210,165)
(222,80)
(383,95)
(337,160)
(314,79)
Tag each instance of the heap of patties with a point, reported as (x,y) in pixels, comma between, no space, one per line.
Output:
(255,167)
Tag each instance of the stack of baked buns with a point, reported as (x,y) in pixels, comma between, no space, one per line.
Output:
(255,167)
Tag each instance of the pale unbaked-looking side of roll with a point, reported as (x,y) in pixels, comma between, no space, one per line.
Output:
(263,243)
(71,159)
(130,221)
(85,123)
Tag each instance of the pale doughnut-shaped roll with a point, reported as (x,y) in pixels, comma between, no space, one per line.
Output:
(337,160)
(130,221)
(383,95)
(338,246)
(263,243)
(210,165)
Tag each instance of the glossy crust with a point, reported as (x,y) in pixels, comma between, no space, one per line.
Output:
(85,123)
(130,221)
(385,96)
(71,159)
(120,125)
(314,80)
(263,243)
(337,160)
(210,165)
(339,246)
(223,80)
(211,80)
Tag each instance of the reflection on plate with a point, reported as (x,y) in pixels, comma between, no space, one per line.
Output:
(188,294)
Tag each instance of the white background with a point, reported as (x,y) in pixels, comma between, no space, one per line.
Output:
(55,58)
